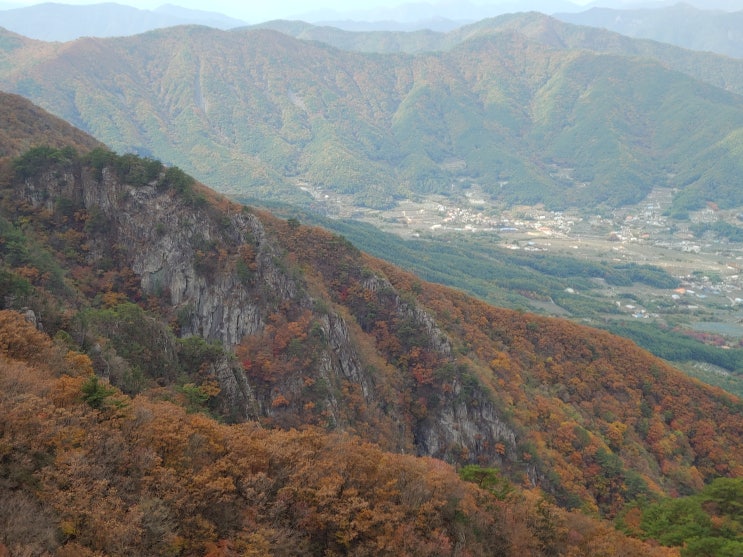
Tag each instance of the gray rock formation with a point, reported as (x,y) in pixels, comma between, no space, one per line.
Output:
(184,251)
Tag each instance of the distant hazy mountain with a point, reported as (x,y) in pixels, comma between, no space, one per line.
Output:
(414,15)
(511,106)
(432,24)
(61,22)
(438,16)
(720,71)
(681,25)
(199,17)
(443,15)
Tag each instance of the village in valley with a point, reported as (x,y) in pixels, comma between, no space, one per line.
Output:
(709,269)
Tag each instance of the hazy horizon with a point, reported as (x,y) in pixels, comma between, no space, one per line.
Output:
(369,10)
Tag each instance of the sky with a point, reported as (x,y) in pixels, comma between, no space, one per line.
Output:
(254,11)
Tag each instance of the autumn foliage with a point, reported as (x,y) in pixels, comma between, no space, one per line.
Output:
(605,422)
(609,419)
(349,365)
(145,477)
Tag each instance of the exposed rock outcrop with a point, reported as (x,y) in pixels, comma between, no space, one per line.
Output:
(187,252)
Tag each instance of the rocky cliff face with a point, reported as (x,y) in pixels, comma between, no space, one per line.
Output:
(176,293)
(162,237)
(224,277)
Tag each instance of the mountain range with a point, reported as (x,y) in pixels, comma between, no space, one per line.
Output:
(65,22)
(710,26)
(529,109)
(138,305)
(681,25)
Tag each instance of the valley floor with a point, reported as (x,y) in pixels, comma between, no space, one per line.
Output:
(706,302)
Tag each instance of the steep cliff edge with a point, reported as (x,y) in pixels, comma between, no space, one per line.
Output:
(220,275)
(169,286)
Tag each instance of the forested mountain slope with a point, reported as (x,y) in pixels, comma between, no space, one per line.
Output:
(177,293)
(567,31)
(720,71)
(88,471)
(262,114)
(24,125)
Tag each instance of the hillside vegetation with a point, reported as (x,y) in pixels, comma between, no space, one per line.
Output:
(88,471)
(526,119)
(24,125)
(546,283)
(699,63)
(170,294)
